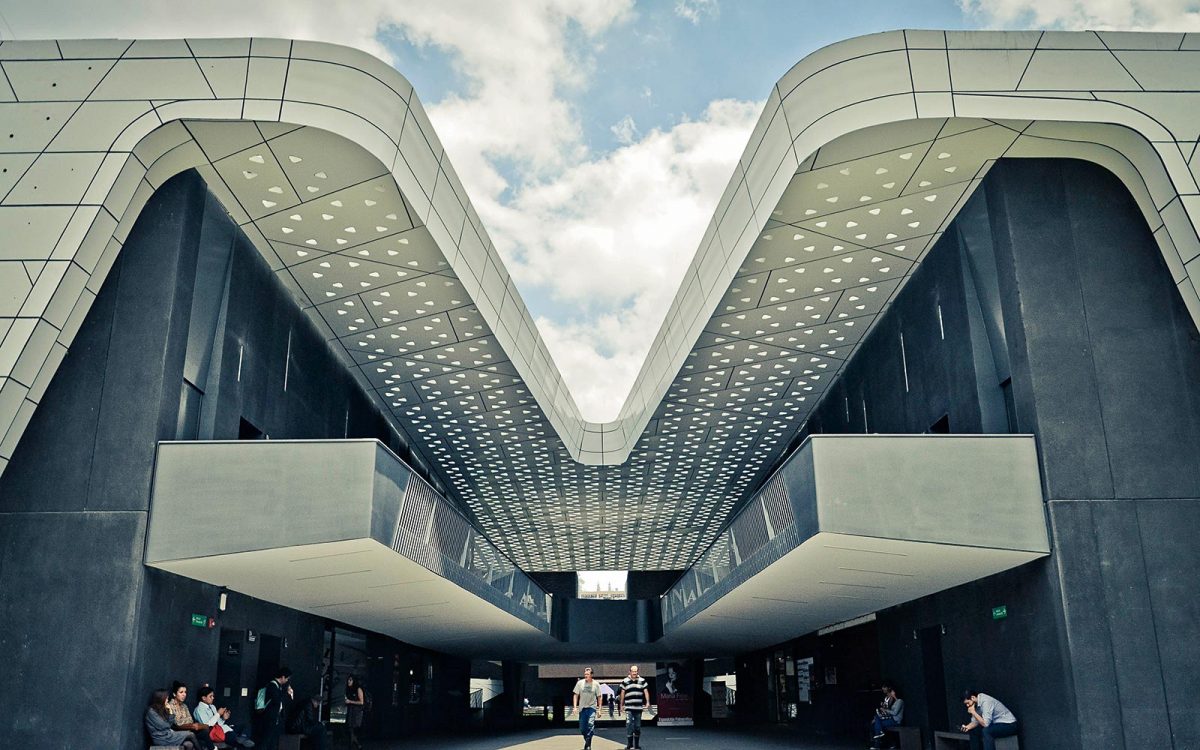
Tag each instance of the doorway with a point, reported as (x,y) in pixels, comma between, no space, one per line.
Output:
(229,671)
(932,667)
(270,657)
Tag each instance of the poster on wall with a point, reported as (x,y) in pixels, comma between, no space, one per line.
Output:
(804,679)
(674,680)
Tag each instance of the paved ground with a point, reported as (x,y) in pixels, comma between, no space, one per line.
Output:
(653,738)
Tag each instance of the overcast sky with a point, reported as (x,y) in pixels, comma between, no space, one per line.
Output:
(593,136)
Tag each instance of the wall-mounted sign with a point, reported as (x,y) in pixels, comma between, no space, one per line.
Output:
(999,613)
(200,621)
(251,636)
(804,679)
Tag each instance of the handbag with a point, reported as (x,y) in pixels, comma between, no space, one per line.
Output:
(216,733)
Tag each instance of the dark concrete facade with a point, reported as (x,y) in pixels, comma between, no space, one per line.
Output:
(190,303)
(1047,308)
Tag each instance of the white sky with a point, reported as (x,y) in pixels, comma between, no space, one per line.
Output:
(605,579)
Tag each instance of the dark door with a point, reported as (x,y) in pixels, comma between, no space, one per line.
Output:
(935,679)
(229,671)
(270,655)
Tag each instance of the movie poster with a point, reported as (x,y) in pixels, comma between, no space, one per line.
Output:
(675,699)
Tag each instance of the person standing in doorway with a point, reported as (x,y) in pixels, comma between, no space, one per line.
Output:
(586,701)
(356,699)
(277,703)
(634,690)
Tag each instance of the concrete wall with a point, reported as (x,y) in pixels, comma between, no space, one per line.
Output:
(1107,371)
(1080,310)
(74,501)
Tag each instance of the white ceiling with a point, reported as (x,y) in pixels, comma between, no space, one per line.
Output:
(364,583)
(833,578)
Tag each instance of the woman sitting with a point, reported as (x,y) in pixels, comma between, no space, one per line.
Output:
(889,714)
(181,717)
(159,724)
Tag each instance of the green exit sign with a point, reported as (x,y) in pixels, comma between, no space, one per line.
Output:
(999,613)
(200,621)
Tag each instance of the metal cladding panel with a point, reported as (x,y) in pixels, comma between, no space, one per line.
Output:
(392,479)
(976,491)
(214,498)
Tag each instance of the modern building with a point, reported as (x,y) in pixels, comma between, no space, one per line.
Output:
(926,404)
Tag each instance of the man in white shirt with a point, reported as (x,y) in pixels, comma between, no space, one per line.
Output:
(208,713)
(989,719)
(587,702)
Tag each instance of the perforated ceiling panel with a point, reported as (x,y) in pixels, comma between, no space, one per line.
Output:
(844,237)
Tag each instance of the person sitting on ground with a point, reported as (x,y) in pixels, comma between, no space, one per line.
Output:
(208,713)
(889,714)
(989,719)
(308,723)
(181,717)
(159,724)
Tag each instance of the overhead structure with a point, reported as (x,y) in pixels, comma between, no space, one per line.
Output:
(864,153)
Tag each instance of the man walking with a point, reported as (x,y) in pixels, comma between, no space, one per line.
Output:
(587,702)
(634,689)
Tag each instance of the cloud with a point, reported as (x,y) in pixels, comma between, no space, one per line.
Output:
(626,130)
(610,239)
(696,10)
(1132,15)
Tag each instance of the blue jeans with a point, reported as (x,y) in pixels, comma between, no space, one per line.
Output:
(985,737)
(879,724)
(633,726)
(587,724)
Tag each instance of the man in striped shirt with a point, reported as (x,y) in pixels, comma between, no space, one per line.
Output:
(634,690)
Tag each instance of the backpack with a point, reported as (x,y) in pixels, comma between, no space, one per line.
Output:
(260,700)
(368,702)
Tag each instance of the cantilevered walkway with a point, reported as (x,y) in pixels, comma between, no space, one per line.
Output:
(849,525)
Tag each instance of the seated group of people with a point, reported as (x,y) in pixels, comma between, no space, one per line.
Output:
(989,720)
(170,722)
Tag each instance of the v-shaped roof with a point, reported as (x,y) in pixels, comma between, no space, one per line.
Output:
(324,156)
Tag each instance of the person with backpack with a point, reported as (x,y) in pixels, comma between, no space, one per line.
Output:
(275,701)
(356,704)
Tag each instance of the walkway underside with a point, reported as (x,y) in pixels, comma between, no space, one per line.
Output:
(850,525)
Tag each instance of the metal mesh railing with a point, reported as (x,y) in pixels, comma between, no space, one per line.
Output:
(430,530)
(748,533)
